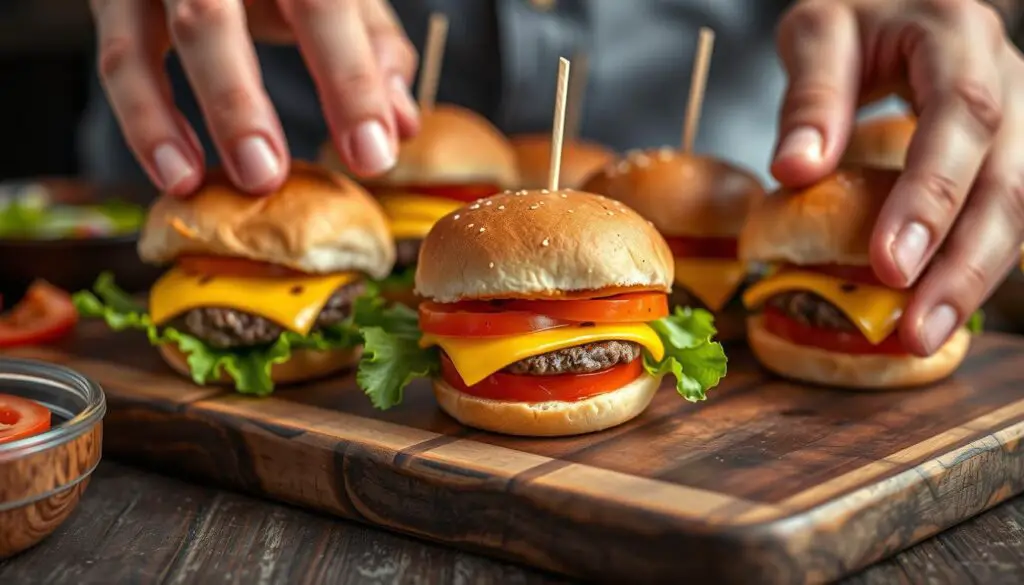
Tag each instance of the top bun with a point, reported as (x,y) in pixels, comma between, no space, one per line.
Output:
(827,223)
(579,160)
(880,143)
(317,222)
(683,194)
(454,145)
(542,245)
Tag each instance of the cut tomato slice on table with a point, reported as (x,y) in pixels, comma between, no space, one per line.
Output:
(21,418)
(562,387)
(852,342)
(45,314)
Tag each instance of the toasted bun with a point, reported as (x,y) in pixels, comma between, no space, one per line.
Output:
(304,365)
(549,419)
(829,222)
(454,145)
(541,244)
(579,160)
(316,222)
(880,142)
(683,194)
(865,372)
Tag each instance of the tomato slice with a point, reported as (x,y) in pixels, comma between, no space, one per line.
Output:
(228,266)
(481,319)
(562,387)
(692,247)
(622,308)
(852,342)
(466,193)
(858,274)
(44,314)
(21,418)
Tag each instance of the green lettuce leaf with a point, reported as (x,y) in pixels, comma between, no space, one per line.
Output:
(248,367)
(976,323)
(404,279)
(697,362)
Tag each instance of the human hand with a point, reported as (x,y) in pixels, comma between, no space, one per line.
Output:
(954,221)
(358,55)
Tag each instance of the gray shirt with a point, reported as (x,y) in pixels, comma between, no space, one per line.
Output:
(502,59)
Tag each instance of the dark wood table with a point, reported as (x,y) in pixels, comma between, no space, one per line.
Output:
(135,526)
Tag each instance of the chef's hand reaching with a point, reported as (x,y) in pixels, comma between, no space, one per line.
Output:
(358,55)
(953,224)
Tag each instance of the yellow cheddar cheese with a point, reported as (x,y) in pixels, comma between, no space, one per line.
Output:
(407,229)
(292,302)
(713,281)
(875,310)
(475,358)
(412,216)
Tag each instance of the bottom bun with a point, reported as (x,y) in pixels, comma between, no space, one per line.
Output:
(304,365)
(549,419)
(865,372)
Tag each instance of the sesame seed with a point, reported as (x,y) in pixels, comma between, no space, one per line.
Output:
(491,265)
(506,192)
(610,212)
(545,242)
(482,230)
(456,216)
(534,206)
(501,207)
(472,224)
(488,202)
(520,192)
(572,211)
(475,206)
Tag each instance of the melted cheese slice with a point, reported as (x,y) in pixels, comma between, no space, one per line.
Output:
(412,216)
(477,358)
(714,281)
(291,302)
(874,310)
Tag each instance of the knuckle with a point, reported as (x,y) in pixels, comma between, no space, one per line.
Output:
(974,276)
(355,85)
(231,104)
(941,193)
(807,94)
(113,54)
(191,18)
(979,103)
(1013,202)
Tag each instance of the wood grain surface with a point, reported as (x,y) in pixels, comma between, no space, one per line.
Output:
(790,483)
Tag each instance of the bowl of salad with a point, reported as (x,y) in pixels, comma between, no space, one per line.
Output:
(67,232)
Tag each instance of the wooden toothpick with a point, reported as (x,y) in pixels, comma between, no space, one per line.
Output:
(430,72)
(577,89)
(698,82)
(558,128)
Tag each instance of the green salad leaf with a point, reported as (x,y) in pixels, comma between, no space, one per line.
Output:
(976,322)
(696,362)
(248,367)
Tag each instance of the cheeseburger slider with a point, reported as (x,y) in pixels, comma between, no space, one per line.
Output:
(880,142)
(824,316)
(698,204)
(261,289)
(457,157)
(580,159)
(546,315)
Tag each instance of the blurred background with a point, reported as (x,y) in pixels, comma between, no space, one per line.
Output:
(46,67)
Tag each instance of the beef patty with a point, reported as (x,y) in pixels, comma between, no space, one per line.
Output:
(406,253)
(223,328)
(581,359)
(810,309)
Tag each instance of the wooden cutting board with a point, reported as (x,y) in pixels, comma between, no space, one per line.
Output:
(767,481)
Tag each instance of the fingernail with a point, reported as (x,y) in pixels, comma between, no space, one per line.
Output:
(937,327)
(803,141)
(371,148)
(171,165)
(403,98)
(256,162)
(909,248)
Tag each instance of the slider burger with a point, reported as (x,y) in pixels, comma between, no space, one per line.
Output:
(457,157)
(698,204)
(261,289)
(823,316)
(880,143)
(580,159)
(546,315)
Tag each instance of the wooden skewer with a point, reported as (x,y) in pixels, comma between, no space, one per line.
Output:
(698,83)
(577,90)
(558,128)
(430,73)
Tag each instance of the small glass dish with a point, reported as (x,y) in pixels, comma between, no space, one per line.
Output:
(42,477)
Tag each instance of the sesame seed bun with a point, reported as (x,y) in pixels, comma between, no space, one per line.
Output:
(304,365)
(827,223)
(880,142)
(865,372)
(454,146)
(541,244)
(549,419)
(579,160)
(317,222)
(683,194)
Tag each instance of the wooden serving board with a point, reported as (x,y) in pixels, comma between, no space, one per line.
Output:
(767,481)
